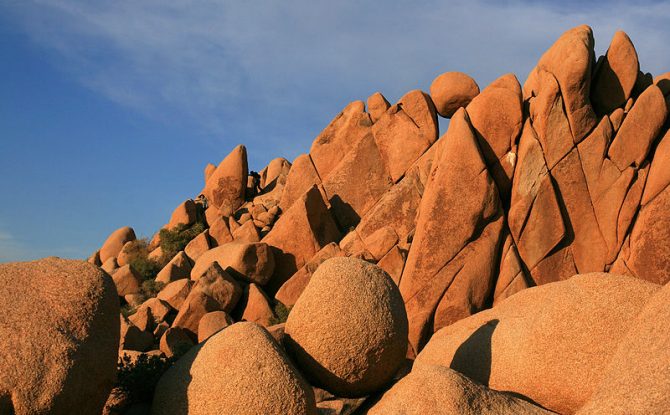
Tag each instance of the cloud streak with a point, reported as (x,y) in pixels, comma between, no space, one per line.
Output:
(257,69)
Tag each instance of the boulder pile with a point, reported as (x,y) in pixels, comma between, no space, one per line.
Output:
(519,263)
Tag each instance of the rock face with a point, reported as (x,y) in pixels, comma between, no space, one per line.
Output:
(225,188)
(356,344)
(252,262)
(451,91)
(438,390)
(535,343)
(60,336)
(265,382)
(636,380)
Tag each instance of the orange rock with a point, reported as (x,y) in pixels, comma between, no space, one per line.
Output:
(209,170)
(175,341)
(110,265)
(512,277)
(212,323)
(356,183)
(300,179)
(569,61)
(339,137)
(300,232)
(451,91)
(179,267)
(123,258)
(405,132)
(460,201)
(219,233)
(393,263)
(156,254)
(132,338)
(247,233)
(176,292)
(377,106)
(252,262)
(196,305)
(198,246)
(380,242)
(158,309)
(142,319)
(95,258)
(636,380)
(115,242)
(276,168)
(553,328)
(126,280)
(59,337)
(185,214)
(291,290)
(496,117)
(663,82)
(615,77)
(640,128)
(255,306)
(226,187)
(265,380)
(438,390)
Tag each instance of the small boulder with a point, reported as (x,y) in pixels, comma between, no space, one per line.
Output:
(114,243)
(175,342)
(252,262)
(265,381)
(185,214)
(451,91)
(225,188)
(256,307)
(127,280)
(176,292)
(355,345)
(179,267)
(198,246)
(212,323)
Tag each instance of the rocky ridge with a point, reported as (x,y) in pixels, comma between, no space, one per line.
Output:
(517,261)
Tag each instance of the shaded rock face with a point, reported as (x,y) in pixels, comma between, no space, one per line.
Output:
(537,343)
(60,336)
(265,381)
(355,345)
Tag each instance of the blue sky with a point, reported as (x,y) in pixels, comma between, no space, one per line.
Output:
(109,112)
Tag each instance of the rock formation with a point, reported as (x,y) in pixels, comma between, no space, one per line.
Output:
(519,258)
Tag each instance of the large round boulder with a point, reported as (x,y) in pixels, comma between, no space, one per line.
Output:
(59,337)
(239,370)
(252,262)
(439,390)
(550,343)
(348,330)
(451,91)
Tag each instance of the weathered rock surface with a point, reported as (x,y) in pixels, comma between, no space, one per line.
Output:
(252,262)
(451,91)
(265,381)
(60,337)
(355,345)
(225,188)
(115,242)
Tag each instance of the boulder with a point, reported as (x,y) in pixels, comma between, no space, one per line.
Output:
(209,169)
(179,267)
(616,75)
(185,214)
(110,265)
(127,280)
(212,323)
(123,258)
(354,346)
(299,233)
(219,233)
(246,233)
(198,246)
(300,179)
(339,137)
(175,342)
(251,262)
(439,390)
(60,337)
(266,382)
(133,338)
(114,243)
(452,264)
(451,91)
(636,379)
(550,344)
(176,292)
(405,132)
(377,106)
(255,306)
(225,188)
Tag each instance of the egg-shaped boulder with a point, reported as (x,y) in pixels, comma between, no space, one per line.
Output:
(239,370)
(348,330)
(451,91)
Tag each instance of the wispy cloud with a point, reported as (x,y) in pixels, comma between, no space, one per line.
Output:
(268,67)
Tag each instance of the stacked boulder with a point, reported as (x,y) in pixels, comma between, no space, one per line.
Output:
(529,186)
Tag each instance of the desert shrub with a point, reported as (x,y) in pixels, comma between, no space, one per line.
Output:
(280,313)
(138,379)
(175,240)
(138,258)
(151,288)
